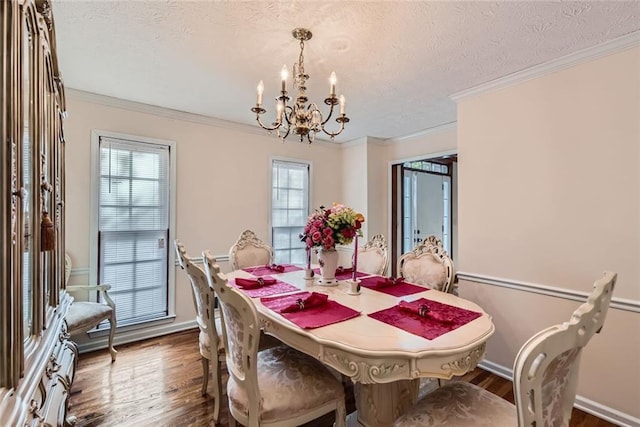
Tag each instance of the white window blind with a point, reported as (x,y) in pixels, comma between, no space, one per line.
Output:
(133,227)
(289,210)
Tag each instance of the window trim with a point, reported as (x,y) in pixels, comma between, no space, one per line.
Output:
(309,163)
(93,244)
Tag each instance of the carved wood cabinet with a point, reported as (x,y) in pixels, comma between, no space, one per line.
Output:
(37,359)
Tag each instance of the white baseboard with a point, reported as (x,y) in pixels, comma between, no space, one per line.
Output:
(587,405)
(100,343)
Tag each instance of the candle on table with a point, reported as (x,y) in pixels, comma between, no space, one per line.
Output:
(355,258)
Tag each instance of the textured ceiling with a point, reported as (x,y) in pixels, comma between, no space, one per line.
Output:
(397,62)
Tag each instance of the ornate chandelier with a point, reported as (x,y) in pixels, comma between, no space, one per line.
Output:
(302,119)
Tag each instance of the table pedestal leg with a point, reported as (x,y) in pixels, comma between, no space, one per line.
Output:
(379,405)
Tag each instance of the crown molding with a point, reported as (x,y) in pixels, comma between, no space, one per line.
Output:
(589,54)
(140,107)
(447,127)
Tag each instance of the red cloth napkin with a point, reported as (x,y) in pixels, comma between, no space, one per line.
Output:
(384,282)
(313,300)
(343,273)
(344,270)
(324,314)
(422,309)
(440,319)
(255,283)
(391,286)
(263,270)
(275,267)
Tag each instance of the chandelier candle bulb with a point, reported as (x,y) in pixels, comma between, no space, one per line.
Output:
(284,73)
(260,92)
(332,81)
(342,102)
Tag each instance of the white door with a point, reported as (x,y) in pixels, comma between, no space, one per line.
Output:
(427,210)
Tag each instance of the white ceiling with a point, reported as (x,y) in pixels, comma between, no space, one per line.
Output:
(397,62)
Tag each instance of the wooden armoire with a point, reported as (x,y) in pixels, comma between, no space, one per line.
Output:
(37,359)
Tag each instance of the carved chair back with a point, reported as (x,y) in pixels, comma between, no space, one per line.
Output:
(249,250)
(428,264)
(373,256)
(546,367)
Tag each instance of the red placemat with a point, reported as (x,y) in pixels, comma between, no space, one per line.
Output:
(309,318)
(262,270)
(343,274)
(400,289)
(279,287)
(428,327)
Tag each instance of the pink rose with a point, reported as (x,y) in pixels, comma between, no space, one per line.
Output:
(316,236)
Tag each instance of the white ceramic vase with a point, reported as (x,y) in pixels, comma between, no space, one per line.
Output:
(328,260)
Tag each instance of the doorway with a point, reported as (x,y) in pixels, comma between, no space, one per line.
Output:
(424,200)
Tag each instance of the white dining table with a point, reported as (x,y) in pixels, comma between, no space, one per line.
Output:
(384,361)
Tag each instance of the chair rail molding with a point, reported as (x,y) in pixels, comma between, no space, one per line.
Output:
(564,293)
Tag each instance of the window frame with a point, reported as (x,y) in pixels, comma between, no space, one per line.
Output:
(309,164)
(95,200)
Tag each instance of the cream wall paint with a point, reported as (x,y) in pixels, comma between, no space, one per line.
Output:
(223,181)
(549,193)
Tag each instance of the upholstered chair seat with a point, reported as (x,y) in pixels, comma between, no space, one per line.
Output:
(373,256)
(86,315)
(545,378)
(295,382)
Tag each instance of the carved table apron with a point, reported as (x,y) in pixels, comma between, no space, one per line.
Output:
(383,361)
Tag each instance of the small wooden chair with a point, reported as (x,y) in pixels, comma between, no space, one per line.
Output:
(278,386)
(373,256)
(86,315)
(428,264)
(249,250)
(546,378)
(210,339)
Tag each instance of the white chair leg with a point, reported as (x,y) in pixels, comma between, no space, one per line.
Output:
(205,374)
(217,384)
(341,414)
(112,331)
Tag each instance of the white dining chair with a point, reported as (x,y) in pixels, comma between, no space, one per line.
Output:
(210,338)
(373,257)
(428,264)
(250,250)
(545,378)
(86,315)
(278,386)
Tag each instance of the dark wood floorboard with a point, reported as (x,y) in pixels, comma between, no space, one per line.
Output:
(157,383)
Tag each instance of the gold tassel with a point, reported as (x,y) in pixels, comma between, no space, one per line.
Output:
(47,233)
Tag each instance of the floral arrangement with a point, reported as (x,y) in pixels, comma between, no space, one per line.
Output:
(327,227)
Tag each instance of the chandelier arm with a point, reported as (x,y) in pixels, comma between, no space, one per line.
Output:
(342,119)
(269,128)
(328,117)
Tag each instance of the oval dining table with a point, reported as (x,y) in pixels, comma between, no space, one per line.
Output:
(384,362)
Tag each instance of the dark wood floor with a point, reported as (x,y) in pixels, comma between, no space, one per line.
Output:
(157,383)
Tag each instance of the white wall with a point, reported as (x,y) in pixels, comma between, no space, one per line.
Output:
(549,195)
(223,181)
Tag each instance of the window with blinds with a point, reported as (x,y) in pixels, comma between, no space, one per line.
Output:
(289,210)
(134,217)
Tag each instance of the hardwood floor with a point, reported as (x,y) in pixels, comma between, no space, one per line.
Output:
(157,383)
